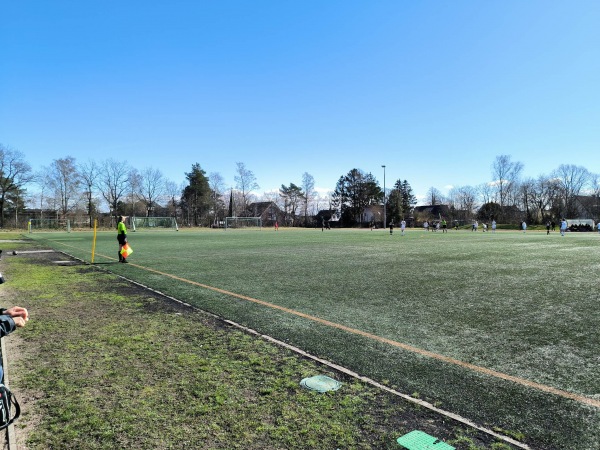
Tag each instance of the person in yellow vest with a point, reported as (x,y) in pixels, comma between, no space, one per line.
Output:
(121,237)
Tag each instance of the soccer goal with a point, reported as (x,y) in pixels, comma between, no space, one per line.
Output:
(153,223)
(34,225)
(243,222)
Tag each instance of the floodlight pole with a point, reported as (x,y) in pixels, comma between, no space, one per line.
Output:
(384,202)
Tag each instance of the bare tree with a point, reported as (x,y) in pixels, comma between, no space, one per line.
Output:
(89,172)
(527,192)
(151,188)
(435,196)
(273,196)
(134,184)
(235,205)
(571,181)
(595,192)
(173,192)
(308,186)
(89,176)
(486,192)
(40,178)
(64,180)
(113,181)
(468,198)
(464,200)
(541,194)
(245,182)
(217,188)
(14,173)
(505,174)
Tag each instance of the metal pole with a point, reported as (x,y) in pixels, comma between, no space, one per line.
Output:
(384,199)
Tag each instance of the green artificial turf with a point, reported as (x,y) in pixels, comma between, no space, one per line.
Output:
(104,363)
(522,304)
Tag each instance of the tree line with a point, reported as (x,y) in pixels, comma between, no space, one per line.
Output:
(569,191)
(109,188)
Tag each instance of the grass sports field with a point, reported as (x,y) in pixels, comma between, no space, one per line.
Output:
(499,328)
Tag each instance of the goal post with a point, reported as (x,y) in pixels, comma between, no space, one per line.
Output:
(153,223)
(243,222)
(34,225)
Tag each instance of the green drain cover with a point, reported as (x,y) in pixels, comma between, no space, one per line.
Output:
(419,440)
(321,383)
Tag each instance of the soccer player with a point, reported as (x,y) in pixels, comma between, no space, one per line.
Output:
(402,226)
(563,226)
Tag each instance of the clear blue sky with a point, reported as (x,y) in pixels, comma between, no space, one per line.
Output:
(435,90)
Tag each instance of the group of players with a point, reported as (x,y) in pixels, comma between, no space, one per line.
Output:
(443,225)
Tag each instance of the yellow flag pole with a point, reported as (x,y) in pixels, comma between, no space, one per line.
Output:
(94,240)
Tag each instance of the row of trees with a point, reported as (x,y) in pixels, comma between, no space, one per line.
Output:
(569,191)
(67,188)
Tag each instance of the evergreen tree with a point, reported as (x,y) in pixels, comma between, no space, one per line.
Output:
(230,211)
(401,201)
(196,197)
(408,198)
(354,192)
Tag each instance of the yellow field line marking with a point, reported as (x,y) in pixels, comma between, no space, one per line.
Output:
(407,347)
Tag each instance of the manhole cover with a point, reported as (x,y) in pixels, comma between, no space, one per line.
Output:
(321,383)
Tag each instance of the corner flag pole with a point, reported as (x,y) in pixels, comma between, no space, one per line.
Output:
(94,240)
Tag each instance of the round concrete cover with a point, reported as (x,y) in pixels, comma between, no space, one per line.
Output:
(321,383)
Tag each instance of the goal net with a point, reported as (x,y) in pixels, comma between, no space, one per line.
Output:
(48,224)
(243,222)
(152,223)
